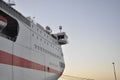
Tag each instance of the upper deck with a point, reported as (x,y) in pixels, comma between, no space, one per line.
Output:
(14,12)
(7,9)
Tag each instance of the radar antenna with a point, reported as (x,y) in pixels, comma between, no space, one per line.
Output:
(60,28)
(11,3)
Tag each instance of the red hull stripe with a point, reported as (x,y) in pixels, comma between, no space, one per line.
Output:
(9,59)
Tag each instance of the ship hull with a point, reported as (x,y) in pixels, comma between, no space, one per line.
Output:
(21,64)
(25,52)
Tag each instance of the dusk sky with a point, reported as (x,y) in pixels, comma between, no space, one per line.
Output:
(93,28)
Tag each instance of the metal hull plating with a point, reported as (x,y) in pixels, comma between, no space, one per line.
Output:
(31,54)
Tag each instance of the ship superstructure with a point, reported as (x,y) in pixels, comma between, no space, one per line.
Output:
(27,50)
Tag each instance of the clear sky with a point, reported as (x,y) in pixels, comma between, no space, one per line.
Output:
(93,28)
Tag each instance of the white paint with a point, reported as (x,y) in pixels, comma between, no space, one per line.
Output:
(24,47)
(5,72)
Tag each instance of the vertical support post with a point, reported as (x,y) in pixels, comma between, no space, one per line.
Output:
(114,71)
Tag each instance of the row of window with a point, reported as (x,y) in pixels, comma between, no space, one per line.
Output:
(37,47)
(47,43)
(45,35)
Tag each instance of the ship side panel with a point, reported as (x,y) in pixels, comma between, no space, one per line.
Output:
(5,59)
(53,71)
(28,57)
(29,64)
(44,44)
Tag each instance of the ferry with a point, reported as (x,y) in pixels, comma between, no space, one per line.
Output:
(28,51)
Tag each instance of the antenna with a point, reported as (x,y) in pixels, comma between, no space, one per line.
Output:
(60,28)
(11,3)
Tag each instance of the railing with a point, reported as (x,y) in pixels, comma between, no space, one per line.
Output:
(68,77)
(14,12)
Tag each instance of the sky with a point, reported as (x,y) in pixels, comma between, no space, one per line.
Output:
(93,28)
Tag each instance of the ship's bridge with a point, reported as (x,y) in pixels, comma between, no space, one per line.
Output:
(62,38)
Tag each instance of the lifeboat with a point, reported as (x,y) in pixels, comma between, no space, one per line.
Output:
(3,22)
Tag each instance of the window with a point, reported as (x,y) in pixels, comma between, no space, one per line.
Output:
(60,37)
(11,30)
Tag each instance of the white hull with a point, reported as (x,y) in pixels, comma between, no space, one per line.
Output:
(27,52)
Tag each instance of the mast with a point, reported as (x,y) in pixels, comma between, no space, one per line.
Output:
(60,28)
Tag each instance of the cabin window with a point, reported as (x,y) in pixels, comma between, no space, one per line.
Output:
(60,37)
(11,30)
